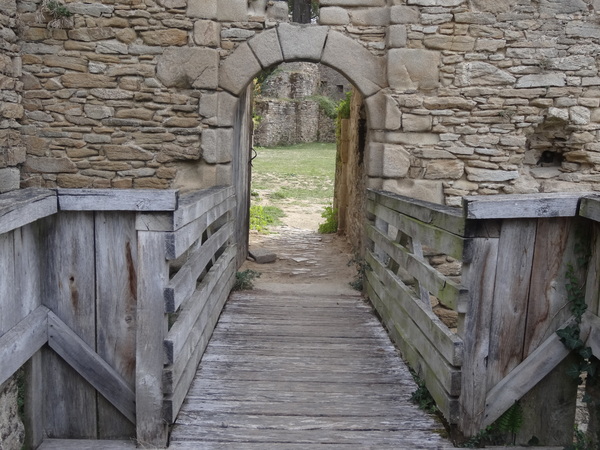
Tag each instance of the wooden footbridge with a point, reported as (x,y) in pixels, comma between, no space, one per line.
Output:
(109,299)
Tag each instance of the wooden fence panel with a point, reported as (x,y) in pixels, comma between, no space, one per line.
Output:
(509,309)
(9,312)
(116,302)
(151,429)
(68,290)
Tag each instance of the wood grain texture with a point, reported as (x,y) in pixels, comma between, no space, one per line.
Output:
(429,235)
(116,301)
(191,206)
(117,199)
(524,377)
(151,429)
(480,279)
(81,444)
(511,296)
(68,291)
(522,205)
(296,396)
(590,208)
(90,366)
(22,341)
(445,217)
(183,283)
(21,207)
(10,313)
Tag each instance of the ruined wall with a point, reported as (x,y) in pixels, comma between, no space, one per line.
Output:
(288,108)
(470,97)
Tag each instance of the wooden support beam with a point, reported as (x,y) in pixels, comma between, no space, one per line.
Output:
(590,208)
(90,366)
(523,378)
(22,341)
(118,199)
(18,208)
(522,205)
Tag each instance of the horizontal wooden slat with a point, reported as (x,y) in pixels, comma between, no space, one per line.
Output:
(448,344)
(117,199)
(523,378)
(185,341)
(18,208)
(193,307)
(21,342)
(191,206)
(590,208)
(429,235)
(183,284)
(446,403)
(179,241)
(445,217)
(174,401)
(85,444)
(396,317)
(449,293)
(522,205)
(91,366)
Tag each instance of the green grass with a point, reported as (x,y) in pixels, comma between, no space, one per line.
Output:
(261,217)
(302,172)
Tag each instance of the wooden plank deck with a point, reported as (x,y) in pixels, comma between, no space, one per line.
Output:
(290,371)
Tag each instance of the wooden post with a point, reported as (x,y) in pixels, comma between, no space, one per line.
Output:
(153,276)
(479,277)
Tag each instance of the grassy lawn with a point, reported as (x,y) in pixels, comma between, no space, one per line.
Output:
(298,174)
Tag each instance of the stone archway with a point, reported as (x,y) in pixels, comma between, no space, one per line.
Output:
(289,43)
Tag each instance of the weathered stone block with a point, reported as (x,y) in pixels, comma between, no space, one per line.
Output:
(493,6)
(188,67)
(479,73)
(370,17)
(49,165)
(238,69)
(232,10)
(302,41)
(553,7)
(404,14)
(203,9)
(580,115)
(207,33)
(128,152)
(436,2)
(427,190)
(397,36)
(165,38)
(413,138)
(98,111)
(375,159)
(217,145)
(413,69)
(352,3)
(91,9)
(539,80)
(342,53)
(227,109)
(334,16)
(449,42)
(266,48)
(85,80)
(396,161)
(489,175)
(9,180)
(414,122)
(444,169)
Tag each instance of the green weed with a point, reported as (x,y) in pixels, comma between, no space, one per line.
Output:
(244,280)
(261,217)
(330,225)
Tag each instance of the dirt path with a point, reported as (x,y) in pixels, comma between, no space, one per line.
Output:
(306,261)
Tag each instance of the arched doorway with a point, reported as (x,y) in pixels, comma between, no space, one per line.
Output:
(289,43)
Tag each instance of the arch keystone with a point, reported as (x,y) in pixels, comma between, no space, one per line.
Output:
(266,48)
(302,42)
(238,69)
(365,70)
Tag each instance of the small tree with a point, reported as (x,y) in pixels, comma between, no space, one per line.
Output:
(303,11)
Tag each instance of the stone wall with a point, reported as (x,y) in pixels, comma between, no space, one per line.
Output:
(12,431)
(12,151)
(288,110)
(468,97)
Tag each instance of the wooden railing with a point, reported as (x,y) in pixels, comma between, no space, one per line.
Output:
(509,299)
(113,292)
